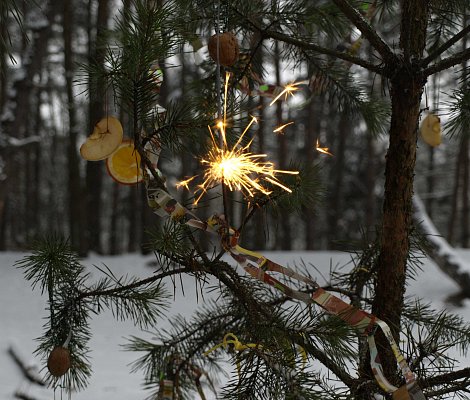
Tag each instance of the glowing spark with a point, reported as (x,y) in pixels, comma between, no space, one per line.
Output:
(323,150)
(279,129)
(235,166)
(239,169)
(289,89)
(185,184)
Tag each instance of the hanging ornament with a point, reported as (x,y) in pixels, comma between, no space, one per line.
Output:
(156,74)
(124,164)
(105,139)
(59,362)
(431,130)
(228,48)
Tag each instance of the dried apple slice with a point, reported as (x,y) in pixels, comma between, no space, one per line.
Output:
(105,139)
(124,164)
(431,130)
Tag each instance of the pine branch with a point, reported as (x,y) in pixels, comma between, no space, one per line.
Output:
(369,33)
(446,378)
(436,53)
(117,290)
(305,45)
(447,63)
(341,373)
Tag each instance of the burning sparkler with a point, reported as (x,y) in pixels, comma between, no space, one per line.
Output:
(280,129)
(324,150)
(289,89)
(235,166)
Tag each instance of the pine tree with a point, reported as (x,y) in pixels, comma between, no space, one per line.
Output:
(267,331)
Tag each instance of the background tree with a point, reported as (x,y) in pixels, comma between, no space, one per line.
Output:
(318,36)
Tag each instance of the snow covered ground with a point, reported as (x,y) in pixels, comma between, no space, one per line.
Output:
(22,316)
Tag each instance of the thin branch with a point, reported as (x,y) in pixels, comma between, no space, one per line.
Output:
(27,371)
(303,44)
(347,379)
(436,53)
(369,33)
(447,390)
(448,62)
(445,378)
(114,291)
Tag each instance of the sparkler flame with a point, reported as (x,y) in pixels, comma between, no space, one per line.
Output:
(238,168)
(324,150)
(289,89)
(280,129)
(235,166)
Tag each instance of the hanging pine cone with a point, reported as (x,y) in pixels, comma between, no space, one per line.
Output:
(58,362)
(228,48)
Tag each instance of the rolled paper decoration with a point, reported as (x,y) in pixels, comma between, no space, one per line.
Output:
(431,130)
(104,140)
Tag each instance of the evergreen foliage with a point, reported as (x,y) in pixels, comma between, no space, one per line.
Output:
(278,329)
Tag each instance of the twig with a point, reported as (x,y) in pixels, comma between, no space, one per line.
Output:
(446,378)
(448,62)
(114,291)
(23,396)
(303,44)
(454,39)
(369,33)
(26,370)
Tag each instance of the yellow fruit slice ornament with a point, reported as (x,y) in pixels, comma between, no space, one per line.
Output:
(431,130)
(124,164)
(104,140)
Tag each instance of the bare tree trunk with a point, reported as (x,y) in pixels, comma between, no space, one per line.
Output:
(406,90)
(20,105)
(337,172)
(284,238)
(311,135)
(465,200)
(74,189)
(455,196)
(370,183)
(94,176)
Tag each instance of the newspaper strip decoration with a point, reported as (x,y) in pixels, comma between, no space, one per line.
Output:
(259,267)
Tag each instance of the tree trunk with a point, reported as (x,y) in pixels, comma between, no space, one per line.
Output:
(94,177)
(336,178)
(465,200)
(19,102)
(315,110)
(75,201)
(455,198)
(406,90)
(284,237)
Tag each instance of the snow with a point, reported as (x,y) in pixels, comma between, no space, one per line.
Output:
(22,314)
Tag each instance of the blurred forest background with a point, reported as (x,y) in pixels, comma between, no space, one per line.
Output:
(44,117)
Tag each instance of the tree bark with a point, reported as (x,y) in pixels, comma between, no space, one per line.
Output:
(337,177)
(465,199)
(94,177)
(75,201)
(284,237)
(407,86)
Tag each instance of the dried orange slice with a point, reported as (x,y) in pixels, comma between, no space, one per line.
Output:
(106,137)
(124,164)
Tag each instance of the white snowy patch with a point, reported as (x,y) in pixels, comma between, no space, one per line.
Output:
(22,316)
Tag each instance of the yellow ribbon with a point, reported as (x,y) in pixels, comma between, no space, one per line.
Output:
(232,339)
